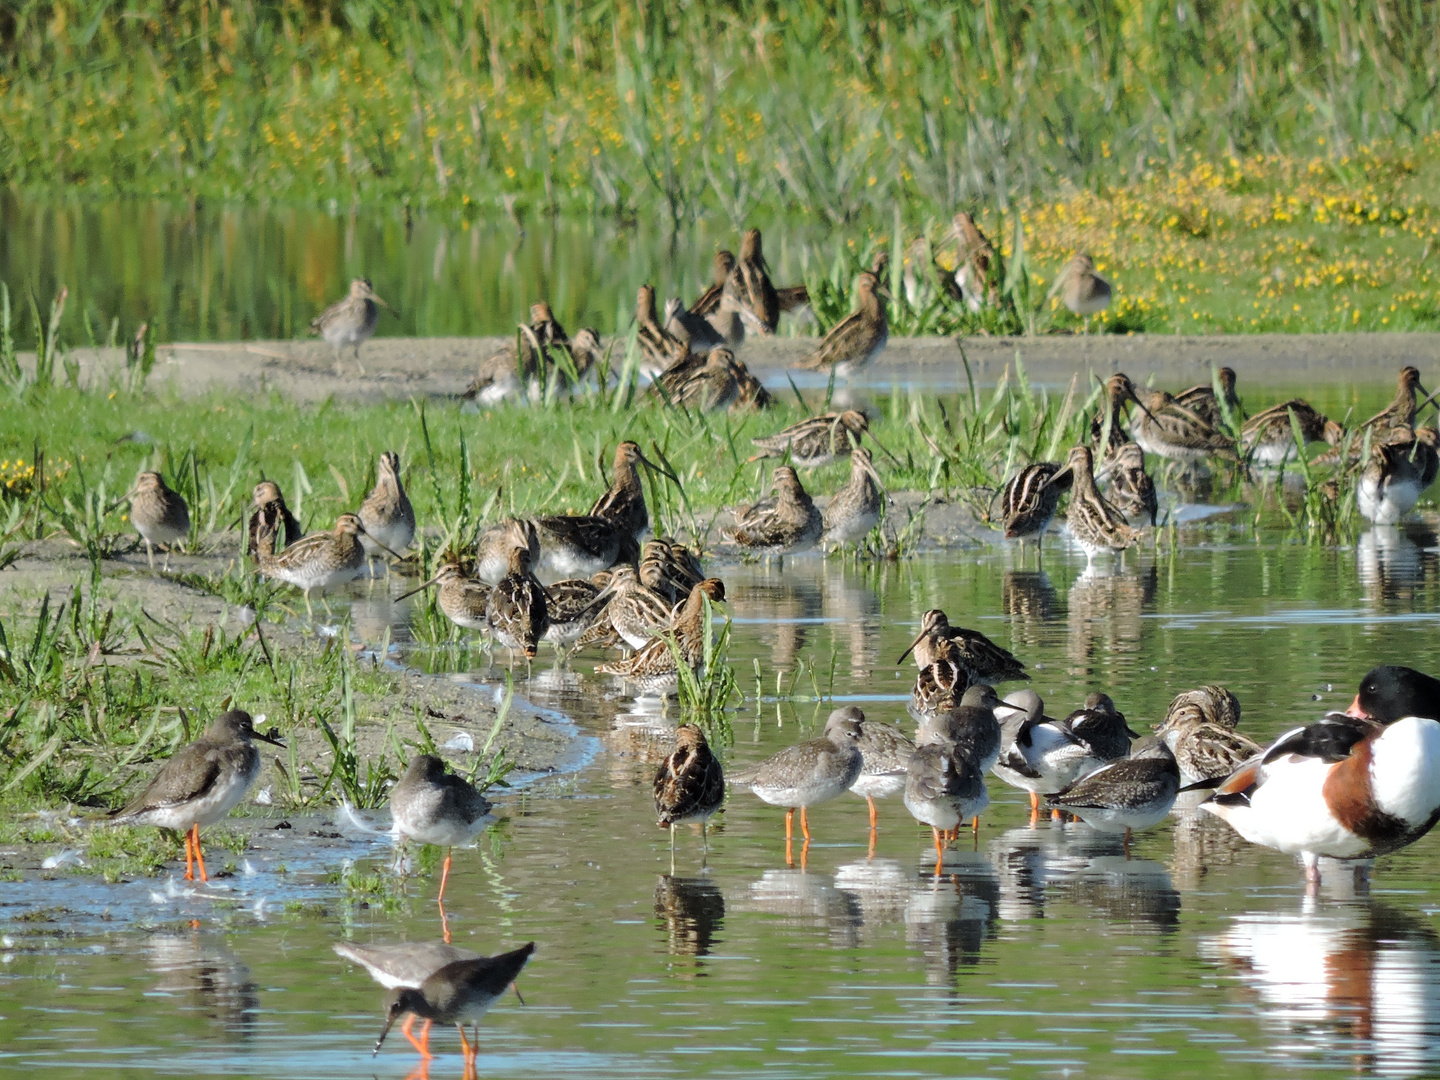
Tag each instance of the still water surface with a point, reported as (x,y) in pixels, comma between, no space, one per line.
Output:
(1043,953)
(240,272)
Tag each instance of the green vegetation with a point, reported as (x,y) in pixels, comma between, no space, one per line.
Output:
(667,111)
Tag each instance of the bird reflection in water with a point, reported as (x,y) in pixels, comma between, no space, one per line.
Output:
(790,606)
(881,887)
(948,920)
(805,900)
(1028,598)
(206,978)
(1106,603)
(1073,864)
(1395,562)
(691,911)
(1360,979)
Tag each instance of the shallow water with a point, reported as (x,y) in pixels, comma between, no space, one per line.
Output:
(1042,953)
(241,272)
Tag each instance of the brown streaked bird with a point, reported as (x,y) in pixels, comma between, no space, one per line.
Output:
(1082,289)
(1129,487)
(1206,704)
(635,612)
(320,560)
(1207,752)
(386,513)
(818,441)
(269,513)
(463,600)
(939,686)
(581,545)
(708,302)
(1030,498)
(1203,402)
(749,285)
(790,523)
(492,549)
(654,666)
(1173,431)
(1269,436)
(516,611)
(793,297)
(689,786)
(1402,465)
(1096,525)
(517,369)
(459,993)
(979,657)
(972,269)
(1400,413)
(571,608)
(696,332)
(159,513)
(350,321)
(750,393)
(659,349)
(663,570)
(432,805)
(708,385)
(854,511)
(200,784)
(1119,391)
(624,502)
(854,342)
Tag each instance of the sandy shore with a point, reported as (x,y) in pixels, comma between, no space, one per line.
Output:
(305,370)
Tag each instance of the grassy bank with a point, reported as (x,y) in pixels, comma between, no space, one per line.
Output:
(668,111)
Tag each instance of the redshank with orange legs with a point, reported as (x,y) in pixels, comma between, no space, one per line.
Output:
(433,806)
(201,784)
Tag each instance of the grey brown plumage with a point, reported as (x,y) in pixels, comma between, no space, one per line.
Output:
(634,612)
(1081,287)
(386,513)
(1168,429)
(570,609)
(708,302)
(320,560)
(159,513)
(350,321)
(669,572)
(1400,413)
(854,342)
(854,510)
(516,610)
(458,993)
(1204,403)
(809,773)
(517,369)
(1132,793)
(791,522)
(580,545)
(492,548)
(974,256)
(696,332)
(624,501)
(200,784)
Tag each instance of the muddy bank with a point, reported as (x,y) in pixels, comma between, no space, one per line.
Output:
(442,367)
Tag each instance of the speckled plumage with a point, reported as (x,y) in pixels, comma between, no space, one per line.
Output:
(790,523)
(516,610)
(854,510)
(160,515)
(853,343)
(1030,498)
(981,659)
(654,668)
(818,441)
(689,785)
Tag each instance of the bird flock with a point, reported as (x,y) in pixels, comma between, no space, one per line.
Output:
(1350,786)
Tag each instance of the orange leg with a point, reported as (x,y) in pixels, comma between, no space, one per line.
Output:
(421,1044)
(804,825)
(444,875)
(789,825)
(804,854)
(939,851)
(190,854)
(444,921)
(1056,814)
(975,825)
(468,1050)
(199,855)
(870,799)
(1034,809)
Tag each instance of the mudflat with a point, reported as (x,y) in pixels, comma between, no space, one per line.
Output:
(396,367)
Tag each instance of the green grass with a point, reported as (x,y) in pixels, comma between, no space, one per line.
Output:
(663,112)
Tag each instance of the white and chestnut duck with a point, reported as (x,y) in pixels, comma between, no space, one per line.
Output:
(1352,785)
